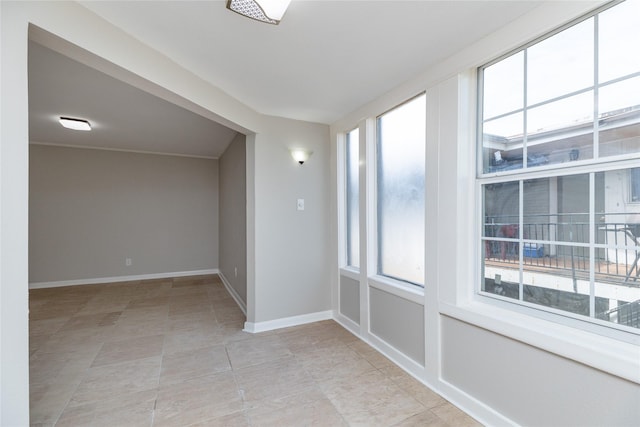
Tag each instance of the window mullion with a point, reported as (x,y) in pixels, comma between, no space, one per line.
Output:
(525,112)
(520,238)
(592,250)
(596,91)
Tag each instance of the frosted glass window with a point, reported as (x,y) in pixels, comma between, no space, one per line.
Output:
(353,192)
(400,178)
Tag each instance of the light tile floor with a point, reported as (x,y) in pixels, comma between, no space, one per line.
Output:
(172,352)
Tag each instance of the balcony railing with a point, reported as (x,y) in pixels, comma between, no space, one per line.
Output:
(565,247)
(559,245)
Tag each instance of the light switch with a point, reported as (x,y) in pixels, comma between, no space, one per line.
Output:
(300,204)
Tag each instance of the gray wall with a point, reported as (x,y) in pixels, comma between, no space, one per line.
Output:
(496,365)
(233,216)
(291,246)
(533,387)
(350,298)
(399,322)
(91,209)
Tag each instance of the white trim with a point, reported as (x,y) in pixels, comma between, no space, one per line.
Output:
(123,150)
(347,323)
(398,358)
(234,294)
(341,190)
(99,280)
(508,38)
(606,354)
(285,322)
(350,273)
(413,293)
(472,406)
(478,410)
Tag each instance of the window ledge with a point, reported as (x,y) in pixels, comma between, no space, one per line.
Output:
(401,289)
(350,272)
(606,354)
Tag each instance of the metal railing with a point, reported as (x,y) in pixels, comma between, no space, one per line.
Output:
(616,260)
(566,252)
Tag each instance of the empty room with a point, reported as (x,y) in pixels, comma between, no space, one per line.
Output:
(330,213)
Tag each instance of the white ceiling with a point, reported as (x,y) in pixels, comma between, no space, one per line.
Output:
(324,60)
(122,116)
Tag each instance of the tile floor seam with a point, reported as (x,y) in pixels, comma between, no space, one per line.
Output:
(76,387)
(155,301)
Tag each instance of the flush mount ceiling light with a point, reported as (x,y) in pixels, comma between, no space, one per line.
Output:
(269,11)
(75,124)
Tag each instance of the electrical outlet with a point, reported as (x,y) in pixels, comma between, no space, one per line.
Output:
(300,204)
(127,262)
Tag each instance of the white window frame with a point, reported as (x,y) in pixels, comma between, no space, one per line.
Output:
(520,309)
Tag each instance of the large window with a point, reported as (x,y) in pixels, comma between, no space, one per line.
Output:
(400,191)
(352,194)
(559,146)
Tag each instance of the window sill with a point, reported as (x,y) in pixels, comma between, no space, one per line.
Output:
(403,290)
(606,354)
(350,272)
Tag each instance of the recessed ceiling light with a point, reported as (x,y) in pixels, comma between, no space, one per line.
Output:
(75,124)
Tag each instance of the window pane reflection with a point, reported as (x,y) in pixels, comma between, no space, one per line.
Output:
(617,279)
(619,112)
(561,64)
(561,131)
(619,37)
(502,141)
(553,238)
(500,244)
(548,257)
(504,86)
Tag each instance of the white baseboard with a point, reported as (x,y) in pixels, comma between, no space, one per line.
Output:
(233,293)
(99,280)
(286,322)
(347,323)
(478,410)
(472,406)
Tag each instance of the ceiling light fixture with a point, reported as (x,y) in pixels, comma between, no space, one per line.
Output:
(269,11)
(75,124)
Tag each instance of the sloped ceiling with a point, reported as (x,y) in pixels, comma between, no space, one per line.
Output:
(122,116)
(324,60)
